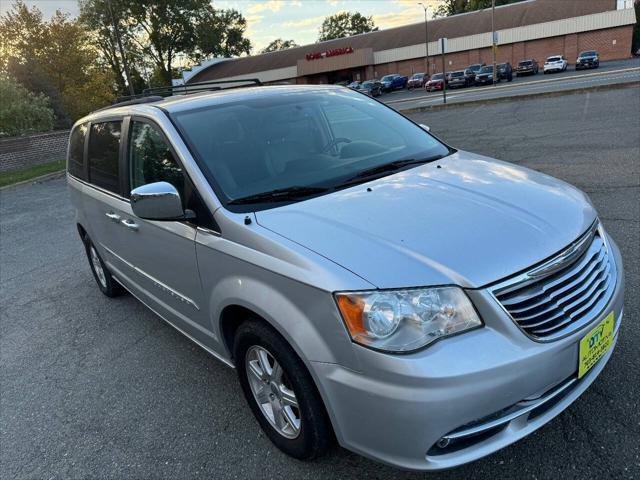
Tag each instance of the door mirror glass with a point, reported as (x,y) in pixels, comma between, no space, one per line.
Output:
(157,201)
(425,127)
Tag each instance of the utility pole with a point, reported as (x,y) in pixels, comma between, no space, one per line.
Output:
(493,38)
(426,34)
(443,44)
(125,64)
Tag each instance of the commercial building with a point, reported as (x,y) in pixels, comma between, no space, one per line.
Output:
(528,29)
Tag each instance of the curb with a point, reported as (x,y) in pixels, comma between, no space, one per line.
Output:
(41,178)
(615,86)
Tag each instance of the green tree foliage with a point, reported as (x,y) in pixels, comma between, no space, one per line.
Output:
(345,24)
(54,58)
(158,34)
(453,7)
(22,111)
(279,44)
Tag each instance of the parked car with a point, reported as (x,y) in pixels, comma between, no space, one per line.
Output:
(354,85)
(505,71)
(373,88)
(417,80)
(475,68)
(458,79)
(555,63)
(393,82)
(244,219)
(588,59)
(436,82)
(485,76)
(527,67)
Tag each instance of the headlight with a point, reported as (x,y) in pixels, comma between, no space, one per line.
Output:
(405,320)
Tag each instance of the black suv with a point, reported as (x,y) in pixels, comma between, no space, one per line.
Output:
(505,71)
(588,59)
(527,67)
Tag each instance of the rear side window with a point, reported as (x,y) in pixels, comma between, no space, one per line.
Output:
(151,159)
(104,146)
(76,151)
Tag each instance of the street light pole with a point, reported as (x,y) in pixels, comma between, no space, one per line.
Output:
(493,38)
(426,34)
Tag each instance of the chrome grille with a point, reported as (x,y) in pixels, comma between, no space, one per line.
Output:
(564,293)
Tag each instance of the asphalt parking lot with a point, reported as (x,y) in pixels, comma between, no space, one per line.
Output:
(102,388)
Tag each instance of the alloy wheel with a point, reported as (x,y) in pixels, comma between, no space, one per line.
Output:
(272,391)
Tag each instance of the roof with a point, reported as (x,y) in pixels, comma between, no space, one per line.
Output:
(519,14)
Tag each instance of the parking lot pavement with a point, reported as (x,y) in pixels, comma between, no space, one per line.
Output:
(102,388)
(609,73)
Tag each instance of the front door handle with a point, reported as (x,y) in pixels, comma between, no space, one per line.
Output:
(130,224)
(114,217)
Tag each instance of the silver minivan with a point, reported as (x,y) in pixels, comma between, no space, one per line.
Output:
(422,305)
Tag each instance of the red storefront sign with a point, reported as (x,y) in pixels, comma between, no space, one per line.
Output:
(329,53)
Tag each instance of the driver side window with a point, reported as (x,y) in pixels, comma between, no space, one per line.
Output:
(151,160)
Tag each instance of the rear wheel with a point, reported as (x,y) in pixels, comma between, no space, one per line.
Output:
(106,283)
(281,392)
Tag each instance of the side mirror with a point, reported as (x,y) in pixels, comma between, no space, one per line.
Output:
(157,201)
(425,127)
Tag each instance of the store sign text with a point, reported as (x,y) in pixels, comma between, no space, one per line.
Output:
(329,53)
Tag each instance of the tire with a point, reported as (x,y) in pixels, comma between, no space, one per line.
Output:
(314,434)
(106,283)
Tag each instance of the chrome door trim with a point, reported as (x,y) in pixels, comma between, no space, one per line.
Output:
(162,286)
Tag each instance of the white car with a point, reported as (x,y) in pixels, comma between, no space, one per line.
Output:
(556,63)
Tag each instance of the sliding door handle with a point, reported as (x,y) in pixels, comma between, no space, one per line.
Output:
(114,217)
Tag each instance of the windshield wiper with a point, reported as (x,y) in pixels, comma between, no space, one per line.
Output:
(279,195)
(390,167)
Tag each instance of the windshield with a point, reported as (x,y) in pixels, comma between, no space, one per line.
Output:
(303,139)
(457,74)
(526,63)
(553,59)
(588,54)
(367,84)
(475,67)
(437,76)
(486,70)
(417,76)
(388,78)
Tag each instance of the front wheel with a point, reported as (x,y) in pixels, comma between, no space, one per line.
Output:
(281,392)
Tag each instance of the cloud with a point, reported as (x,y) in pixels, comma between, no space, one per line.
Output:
(397,19)
(304,22)
(273,5)
(295,3)
(333,3)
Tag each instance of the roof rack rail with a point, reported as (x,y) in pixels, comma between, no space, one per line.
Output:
(156,94)
(186,89)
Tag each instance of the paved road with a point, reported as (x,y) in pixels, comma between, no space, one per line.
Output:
(609,73)
(92,387)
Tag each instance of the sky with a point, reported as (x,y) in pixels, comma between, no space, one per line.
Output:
(297,20)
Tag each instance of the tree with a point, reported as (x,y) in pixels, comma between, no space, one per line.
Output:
(345,24)
(279,44)
(454,7)
(159,34)
(22,111)
(54,58)
(99,16)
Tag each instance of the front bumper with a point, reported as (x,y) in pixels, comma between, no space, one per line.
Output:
(398,407)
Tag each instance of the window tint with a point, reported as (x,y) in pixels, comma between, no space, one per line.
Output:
(151,160)
(104,144)
(76,151)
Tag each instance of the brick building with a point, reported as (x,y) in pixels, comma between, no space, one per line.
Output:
(528,29)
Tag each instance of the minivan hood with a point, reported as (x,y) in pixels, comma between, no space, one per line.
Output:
(465,220)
